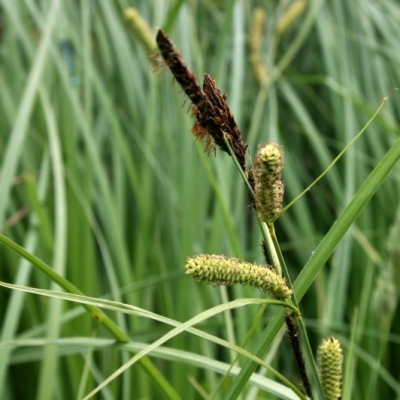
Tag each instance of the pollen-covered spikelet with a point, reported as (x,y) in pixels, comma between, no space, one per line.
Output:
(330,359)
(269,186)
(219,270)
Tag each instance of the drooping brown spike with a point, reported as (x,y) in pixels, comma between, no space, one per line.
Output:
(202,108)
(179,69)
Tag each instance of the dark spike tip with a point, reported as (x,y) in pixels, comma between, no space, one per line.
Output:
(265,253)
(295,343)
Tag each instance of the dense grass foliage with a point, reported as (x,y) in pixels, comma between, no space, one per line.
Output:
(101,179)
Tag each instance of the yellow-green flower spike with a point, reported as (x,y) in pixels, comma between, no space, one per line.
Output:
(394,248)
(291,15)
(384,298)
(256,35)
(268,184)
(256,29)
(330,368)
(141,29)
(219,270)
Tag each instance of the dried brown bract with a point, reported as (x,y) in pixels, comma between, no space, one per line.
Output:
(223,121)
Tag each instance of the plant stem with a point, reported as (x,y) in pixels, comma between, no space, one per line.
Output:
(309,357)
(246,181)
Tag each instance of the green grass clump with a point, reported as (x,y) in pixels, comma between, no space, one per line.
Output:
(101,180)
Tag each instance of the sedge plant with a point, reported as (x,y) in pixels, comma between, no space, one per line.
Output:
(215,126)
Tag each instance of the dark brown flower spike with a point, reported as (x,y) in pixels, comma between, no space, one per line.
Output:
(214,119)
(179,69)
(222,120)
(295,343)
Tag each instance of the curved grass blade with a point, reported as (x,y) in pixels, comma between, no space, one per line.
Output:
(180,327)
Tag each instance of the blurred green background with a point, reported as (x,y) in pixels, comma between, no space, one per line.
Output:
(101,179)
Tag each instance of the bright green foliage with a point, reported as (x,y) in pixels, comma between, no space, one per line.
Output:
(101,179)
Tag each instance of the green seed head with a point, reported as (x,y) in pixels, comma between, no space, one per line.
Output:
(256,38)
(271,155)
(219,270)
(330,367)
(291,15)
(268,184)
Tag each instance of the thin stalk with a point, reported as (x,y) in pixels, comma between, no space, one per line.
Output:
(383,101)
(246,181)
(263,227)
(300,323)
(269,243)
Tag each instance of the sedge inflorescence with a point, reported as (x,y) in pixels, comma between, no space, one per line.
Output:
(330,367)
(220,270)
(269,186)
(214,120)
